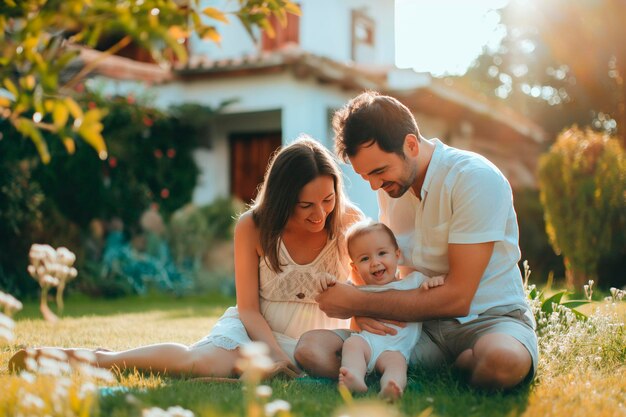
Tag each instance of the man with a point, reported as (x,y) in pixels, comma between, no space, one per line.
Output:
(452,212)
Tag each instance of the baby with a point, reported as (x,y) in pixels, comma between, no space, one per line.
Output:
(374,253)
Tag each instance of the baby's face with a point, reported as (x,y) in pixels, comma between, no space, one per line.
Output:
(374,257)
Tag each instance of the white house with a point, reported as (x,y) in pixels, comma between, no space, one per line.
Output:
(290,85)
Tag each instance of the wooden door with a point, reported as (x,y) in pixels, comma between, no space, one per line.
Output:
(249,155)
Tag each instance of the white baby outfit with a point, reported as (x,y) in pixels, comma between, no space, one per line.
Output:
(287,301)
(406,337)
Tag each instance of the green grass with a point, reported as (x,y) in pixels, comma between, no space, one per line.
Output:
(565,385)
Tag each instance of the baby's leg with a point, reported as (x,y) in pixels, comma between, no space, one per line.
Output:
(392,366)
(354,358)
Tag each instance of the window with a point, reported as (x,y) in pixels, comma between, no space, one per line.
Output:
(363,34)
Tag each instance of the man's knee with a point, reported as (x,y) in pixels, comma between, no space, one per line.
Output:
(501,367)
(309,351)
(317,353)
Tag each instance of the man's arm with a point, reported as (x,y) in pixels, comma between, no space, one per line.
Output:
(467,266)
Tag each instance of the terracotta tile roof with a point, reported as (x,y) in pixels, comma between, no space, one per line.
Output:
(429,95)
(432,95)
(120,68)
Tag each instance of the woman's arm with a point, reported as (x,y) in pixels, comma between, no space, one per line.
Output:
(247,257)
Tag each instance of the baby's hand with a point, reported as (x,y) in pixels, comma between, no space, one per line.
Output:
(326,280)
(434,282)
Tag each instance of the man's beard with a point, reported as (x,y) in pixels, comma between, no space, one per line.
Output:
(402,186)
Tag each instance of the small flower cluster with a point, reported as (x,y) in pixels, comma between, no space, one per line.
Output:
(8,306)
(256,364)
(617,295)
(51,267)
(175,411)
(589,289)
(49,386)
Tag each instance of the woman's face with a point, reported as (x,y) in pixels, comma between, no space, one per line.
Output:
(315,202)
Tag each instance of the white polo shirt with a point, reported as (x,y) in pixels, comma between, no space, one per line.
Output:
(464,199)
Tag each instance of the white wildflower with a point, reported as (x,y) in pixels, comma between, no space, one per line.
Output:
(276,406)
(6,322)
(100,374)
(175,411)
(6,335)
(154,412)
(54,353)
(87,389)
(32,401)
(254,349)
(9,303)
(178,411)
(28,377)
(84,356)
(65,256)
(263,391)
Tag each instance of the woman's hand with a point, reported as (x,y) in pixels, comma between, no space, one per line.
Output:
(284,366)
(378,326)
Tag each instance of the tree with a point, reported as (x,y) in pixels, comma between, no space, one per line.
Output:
(561,63)
(583,187)
(39,40)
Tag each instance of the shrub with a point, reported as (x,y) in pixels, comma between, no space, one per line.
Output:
(583,183)
(150,161)
(193,229)
(533,240)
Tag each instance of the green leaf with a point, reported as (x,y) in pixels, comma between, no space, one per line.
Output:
(11,87)
(293,9)
(69,145)
(27,128)
(74,108)
(546,306)
(572,304)
(60,114)
(210,33)
(215,14)
(91,134)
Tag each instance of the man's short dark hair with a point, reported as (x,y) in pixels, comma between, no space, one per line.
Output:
(372,118)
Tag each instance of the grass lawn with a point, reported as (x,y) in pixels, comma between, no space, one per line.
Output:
(582,372)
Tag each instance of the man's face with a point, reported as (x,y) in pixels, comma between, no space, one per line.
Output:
(386,170)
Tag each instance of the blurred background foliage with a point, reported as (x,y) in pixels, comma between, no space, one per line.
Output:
(41,40)
(58,203)
(583,186)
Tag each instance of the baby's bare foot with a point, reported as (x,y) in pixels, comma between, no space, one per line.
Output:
(351,381)
(391,391)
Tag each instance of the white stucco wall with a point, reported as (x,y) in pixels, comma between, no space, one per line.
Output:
(326,24)
(325,27)
(302,105)
(235,40)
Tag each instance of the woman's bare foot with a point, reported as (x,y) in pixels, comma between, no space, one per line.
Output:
(351,381)
(390,392)
(19,361)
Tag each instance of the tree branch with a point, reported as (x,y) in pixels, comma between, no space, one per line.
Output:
(93,64)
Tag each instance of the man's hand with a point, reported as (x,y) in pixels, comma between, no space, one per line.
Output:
(337,300)
(433,282)
(326,280)
(376,326)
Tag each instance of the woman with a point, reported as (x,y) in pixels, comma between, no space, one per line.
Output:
(290,239)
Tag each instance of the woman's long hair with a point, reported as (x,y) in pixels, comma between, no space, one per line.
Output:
(291,168)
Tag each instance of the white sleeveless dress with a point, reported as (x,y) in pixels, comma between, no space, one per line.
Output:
(287,302)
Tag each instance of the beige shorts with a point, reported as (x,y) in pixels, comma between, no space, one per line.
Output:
(443,340)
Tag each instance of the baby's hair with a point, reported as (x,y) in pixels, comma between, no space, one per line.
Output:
(366,226)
